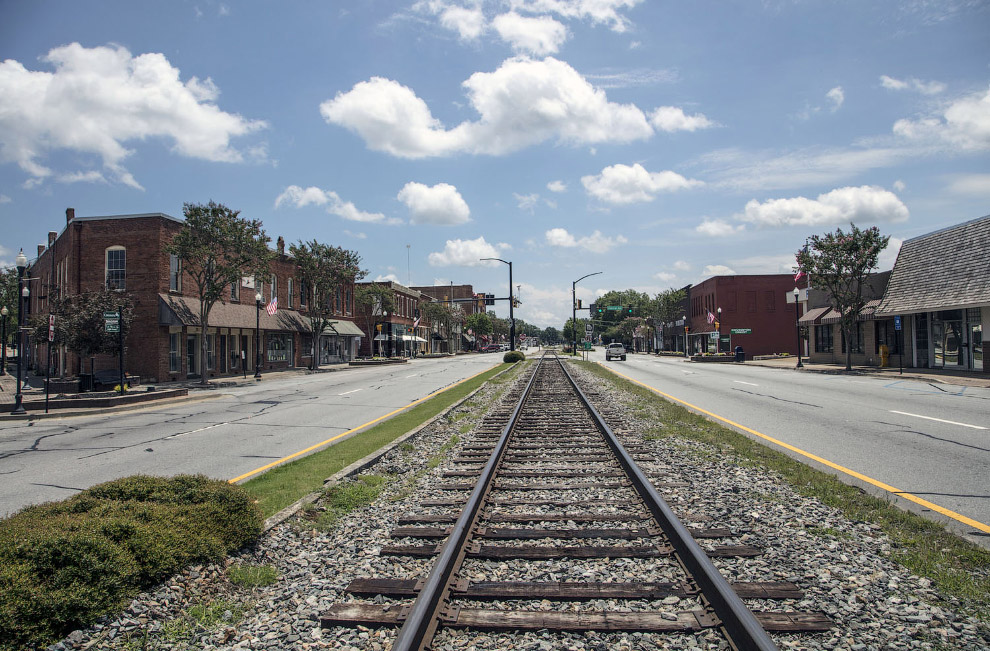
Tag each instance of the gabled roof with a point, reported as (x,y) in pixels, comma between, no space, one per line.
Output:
(943,270)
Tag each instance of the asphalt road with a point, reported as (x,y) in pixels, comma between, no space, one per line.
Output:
(247,427)
(930,440)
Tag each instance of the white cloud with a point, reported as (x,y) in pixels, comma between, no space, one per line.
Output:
(538,36)
(302,197)
(840,206)
(965,124)
(440,204)
(672,118)
(384,278)
(465,253)
(682,265)
(837,97)
(597,11)
(5,199)
(595,243)
(523,103)
(923,87)
(91,176)
(99,99)
(971,184)
(527,202)
(899,185)
(557,186)
(718,228)
(717,270)
(622,184)
(357,236)
(665,276)
(468,22)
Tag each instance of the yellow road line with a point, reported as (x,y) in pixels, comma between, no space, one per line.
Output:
(351,431)
(852,473)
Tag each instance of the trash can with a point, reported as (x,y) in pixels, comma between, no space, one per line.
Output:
(740,355)
(85,382)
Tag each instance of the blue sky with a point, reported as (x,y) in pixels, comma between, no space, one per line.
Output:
(659,143)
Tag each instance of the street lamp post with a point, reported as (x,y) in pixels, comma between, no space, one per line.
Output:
(512,319)
(574,309)
(718,323)
(22,292)
(3,339)
(257,335)
(797,322)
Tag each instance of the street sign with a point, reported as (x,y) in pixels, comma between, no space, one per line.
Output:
(111,321)
(741,331)
(51,327)
(713,336)
(897,322)
(589,328)
(614,308)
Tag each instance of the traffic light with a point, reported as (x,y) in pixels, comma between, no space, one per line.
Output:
(592,309)
(579,304)
(601,309)
(629,309)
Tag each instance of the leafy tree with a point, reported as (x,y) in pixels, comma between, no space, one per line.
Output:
(374,300)
(570,333)
(500,327)
(480,323)
(442,317)
(839,263)
(667,306)
(216,248)
(550,335)
(323,270)
(79,323)
(8,299)
(628,297)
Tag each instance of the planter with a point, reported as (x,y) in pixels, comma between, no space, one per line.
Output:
(63,386)
(713,358)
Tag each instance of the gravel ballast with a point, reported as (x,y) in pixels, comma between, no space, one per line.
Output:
(843,567)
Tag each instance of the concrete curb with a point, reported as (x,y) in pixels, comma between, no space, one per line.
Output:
(367,461)
(96,411)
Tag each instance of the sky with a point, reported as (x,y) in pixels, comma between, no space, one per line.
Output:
(659,143)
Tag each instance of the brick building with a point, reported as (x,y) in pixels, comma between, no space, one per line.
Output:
(754,306)
(464,297)
(402,332)
(127,253)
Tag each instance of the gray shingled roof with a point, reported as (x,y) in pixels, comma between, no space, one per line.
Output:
(944,270)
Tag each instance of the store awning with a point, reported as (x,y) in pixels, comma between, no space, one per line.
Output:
(868,313)
(344,328)
(184,311)
(812,316)
(468,338)
(417,339)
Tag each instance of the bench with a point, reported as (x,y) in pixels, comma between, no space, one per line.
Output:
(111,378)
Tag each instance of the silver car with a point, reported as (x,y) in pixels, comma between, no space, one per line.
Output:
(615,350)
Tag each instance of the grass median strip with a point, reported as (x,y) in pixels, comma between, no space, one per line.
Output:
(282,485)
(956,566)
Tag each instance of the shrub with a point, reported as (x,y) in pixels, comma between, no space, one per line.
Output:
(513,356)
(63,564)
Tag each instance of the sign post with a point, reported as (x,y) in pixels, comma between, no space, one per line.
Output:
(48,373)
(900,344)
(111,323)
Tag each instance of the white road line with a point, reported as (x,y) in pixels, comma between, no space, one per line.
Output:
(201,429)
(346,392)
(950,422)
(749,383)
(413,375)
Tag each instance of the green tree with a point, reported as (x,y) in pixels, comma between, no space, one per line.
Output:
(216,248)
(8,299)
(667,307)
(839,263)
(571,334)
(374,300)
(79,323)
(480,323)
(628,297)
(323,269)
(442,317)
(550,336)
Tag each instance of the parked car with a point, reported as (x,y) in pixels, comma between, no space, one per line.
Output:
(615,350)
(491,348)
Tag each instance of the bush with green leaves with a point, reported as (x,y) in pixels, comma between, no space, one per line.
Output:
(64,564)
(513,356)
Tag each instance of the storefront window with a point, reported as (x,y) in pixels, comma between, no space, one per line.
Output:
(279,348)
(174,354)
(823,339)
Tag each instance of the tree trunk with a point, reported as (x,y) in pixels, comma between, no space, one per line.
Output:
(846,338)
(204,316)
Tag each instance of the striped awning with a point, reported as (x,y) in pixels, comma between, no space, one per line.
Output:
(812,315)
(868,313)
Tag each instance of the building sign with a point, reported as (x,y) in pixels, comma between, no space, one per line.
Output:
(111,321)
(741,331)
(897,322)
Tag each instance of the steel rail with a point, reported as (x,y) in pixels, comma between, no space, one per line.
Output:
(743,630)
(421,623)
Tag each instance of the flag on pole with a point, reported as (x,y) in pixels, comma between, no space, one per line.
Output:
(799,275)
(272,307)
(416,323)
(711,317)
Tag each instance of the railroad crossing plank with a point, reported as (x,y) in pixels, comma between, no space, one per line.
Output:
(793,622)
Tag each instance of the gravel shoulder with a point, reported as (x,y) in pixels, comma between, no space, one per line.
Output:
(845,567)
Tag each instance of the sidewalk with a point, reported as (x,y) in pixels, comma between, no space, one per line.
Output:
(957,378)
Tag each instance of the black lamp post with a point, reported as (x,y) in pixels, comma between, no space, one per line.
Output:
(22,293)
(718,323)
(257,335)
(574,309)
(3,339)
(512,320)
(797,321)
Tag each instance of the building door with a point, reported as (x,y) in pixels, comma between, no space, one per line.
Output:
(248,358)
(192,355)
(976,346)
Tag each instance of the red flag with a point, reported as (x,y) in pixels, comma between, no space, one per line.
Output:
(799,275)
(272,307)
(711,317)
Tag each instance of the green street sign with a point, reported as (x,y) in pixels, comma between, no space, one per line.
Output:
(741,331)
(111,321)
(614,308)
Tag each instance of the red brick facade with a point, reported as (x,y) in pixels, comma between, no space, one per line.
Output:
(162,344)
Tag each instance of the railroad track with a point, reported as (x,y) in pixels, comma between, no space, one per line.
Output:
(548,479)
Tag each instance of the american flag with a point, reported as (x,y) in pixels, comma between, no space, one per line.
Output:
(711,317)
(272,307)
(416,323)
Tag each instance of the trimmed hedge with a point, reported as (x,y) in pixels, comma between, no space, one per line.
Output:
(513,356)
(64,564)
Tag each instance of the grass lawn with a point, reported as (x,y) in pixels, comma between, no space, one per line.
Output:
(283,484)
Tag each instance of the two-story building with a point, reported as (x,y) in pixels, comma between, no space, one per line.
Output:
(399,332)
(126,253)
